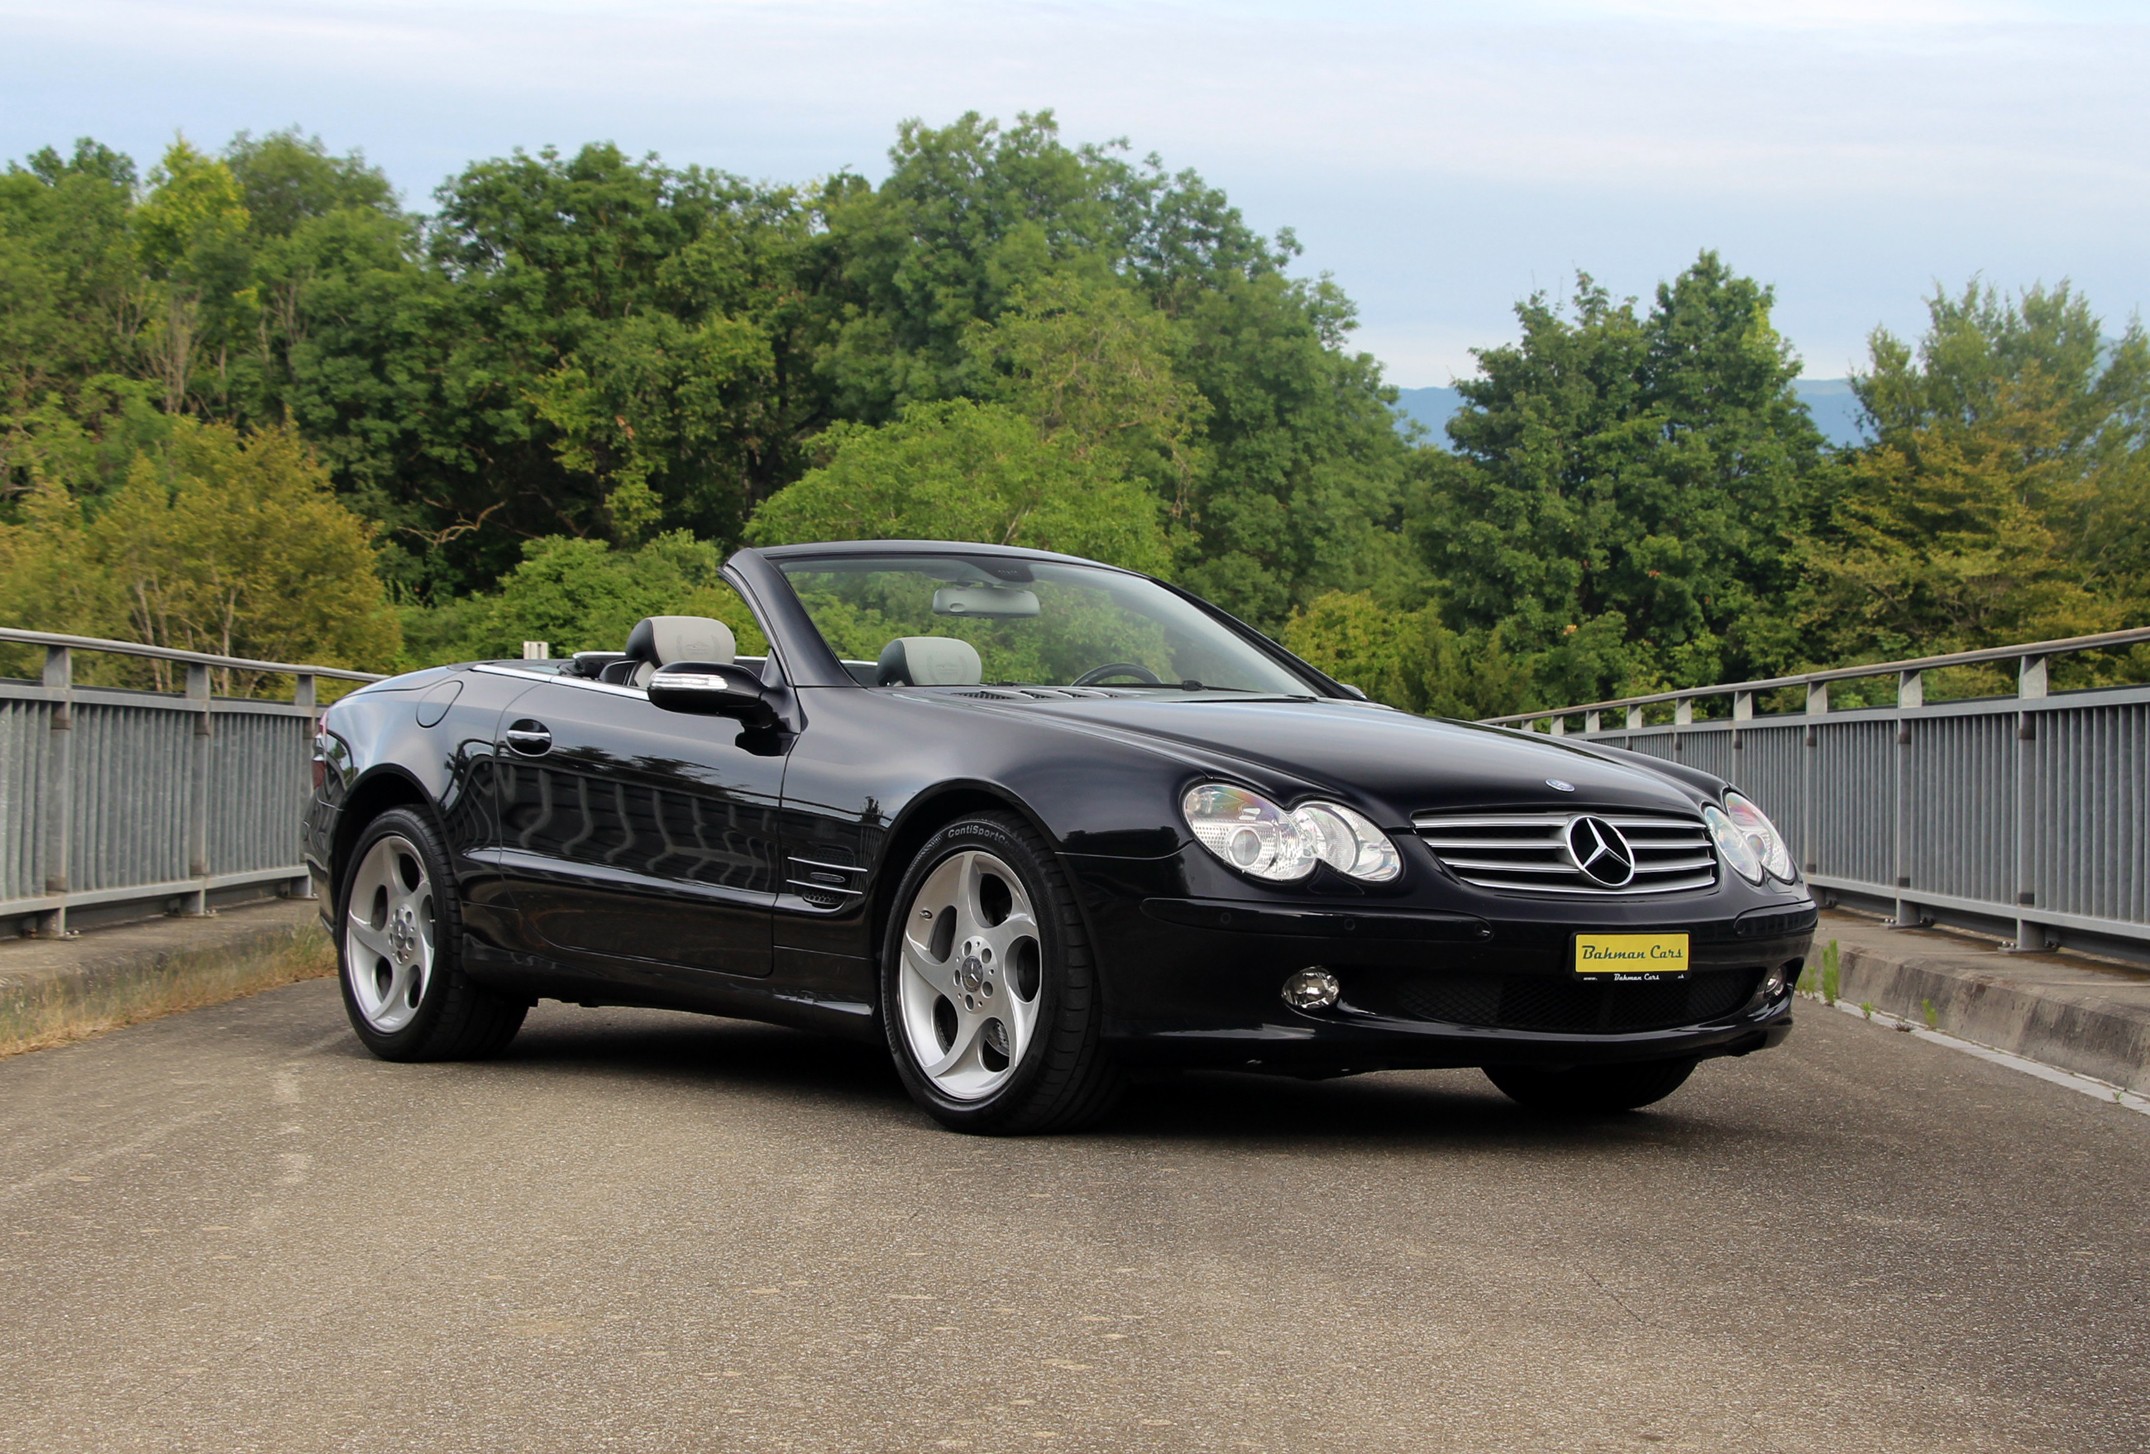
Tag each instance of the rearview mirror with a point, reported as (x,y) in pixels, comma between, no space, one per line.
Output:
(710,689)
(984,601)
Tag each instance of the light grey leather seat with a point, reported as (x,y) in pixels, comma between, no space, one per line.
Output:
(661,640)
(928,661)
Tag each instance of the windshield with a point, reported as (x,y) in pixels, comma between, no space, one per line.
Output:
(899,620)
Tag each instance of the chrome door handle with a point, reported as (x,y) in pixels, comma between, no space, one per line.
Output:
(531,739)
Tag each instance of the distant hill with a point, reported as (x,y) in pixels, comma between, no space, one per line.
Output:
(1830,401)
(1834,407)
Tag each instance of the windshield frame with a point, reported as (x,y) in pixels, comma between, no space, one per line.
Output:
(760,574)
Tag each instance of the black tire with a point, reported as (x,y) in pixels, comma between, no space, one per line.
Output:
(1591,1090)
(444,1014)
(1060,1077)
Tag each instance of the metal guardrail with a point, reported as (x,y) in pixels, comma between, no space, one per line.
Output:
(2027,815)
(113,798)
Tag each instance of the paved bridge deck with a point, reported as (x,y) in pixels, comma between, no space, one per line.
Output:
(232,1230)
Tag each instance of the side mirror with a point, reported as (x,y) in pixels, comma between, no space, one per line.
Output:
(710,689)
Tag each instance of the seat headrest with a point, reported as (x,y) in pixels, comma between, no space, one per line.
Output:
(929,661)
(662,640)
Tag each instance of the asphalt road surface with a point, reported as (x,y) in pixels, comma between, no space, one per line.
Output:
(232,1230)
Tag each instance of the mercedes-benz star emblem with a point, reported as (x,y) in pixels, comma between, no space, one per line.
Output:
(1601,852)
(1559,786)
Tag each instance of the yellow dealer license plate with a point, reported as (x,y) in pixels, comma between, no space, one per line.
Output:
(1637,958)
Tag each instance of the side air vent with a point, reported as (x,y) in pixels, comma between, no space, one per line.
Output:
(823,884)
(1573,853)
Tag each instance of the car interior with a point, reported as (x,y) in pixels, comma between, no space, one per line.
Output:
(657,641)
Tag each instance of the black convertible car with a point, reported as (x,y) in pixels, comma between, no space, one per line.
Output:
(1042,824)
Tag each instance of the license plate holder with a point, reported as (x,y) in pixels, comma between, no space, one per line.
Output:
(1632,958)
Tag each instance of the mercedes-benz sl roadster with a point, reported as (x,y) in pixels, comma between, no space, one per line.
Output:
(1042,826)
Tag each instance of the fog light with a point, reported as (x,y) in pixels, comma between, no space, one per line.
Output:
(1773,983)
(1313,988)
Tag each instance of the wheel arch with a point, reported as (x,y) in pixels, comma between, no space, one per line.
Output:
(934,810)
(381,789)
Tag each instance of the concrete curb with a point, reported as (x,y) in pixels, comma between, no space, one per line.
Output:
(2073,1014)
(53,990)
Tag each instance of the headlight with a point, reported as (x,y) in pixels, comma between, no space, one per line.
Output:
(1748,841)
(1768,844)
(1265,841)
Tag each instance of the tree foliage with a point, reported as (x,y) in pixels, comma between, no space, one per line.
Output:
(2003,498)
(964,471)
(1626,486)
(217,543)
(584,595)
(563,392)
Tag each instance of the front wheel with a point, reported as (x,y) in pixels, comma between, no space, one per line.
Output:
(400,946)
(988,988)
(1591,1090)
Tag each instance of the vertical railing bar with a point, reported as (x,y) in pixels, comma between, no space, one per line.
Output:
(1910,698)
(59,783)
(198,684)
(304,694)
(1817,708)
(2031,683)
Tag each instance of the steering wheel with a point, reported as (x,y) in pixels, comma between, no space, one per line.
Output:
(1133,669)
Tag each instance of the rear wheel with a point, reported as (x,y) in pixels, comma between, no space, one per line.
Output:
(1591,1090)
(988,989)
(400,948)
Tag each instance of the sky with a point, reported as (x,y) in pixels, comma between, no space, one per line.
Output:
(1440,160)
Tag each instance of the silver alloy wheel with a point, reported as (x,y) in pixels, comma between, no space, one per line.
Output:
(967,988)
(388,934)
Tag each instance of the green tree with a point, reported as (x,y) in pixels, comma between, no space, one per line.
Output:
(583,595)
(288,178)
(1626,488)
(219,543)
(964,471)
(1409,659)
(2002,498)
(1097,370)
(970,215)
(1304,493)
(191,236)
(72,302)
(619,353)
(984,242)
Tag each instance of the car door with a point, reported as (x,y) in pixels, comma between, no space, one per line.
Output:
(630,834)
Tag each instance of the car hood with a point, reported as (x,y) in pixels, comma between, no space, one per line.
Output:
(1407,764)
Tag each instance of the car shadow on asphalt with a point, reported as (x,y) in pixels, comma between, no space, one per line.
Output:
(1426,1108)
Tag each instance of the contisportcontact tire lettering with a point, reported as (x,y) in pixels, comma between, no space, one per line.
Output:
(989,992)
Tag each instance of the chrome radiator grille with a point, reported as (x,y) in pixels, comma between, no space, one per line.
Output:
(1528,853)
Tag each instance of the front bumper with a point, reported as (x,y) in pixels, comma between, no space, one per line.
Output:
(1195,981)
